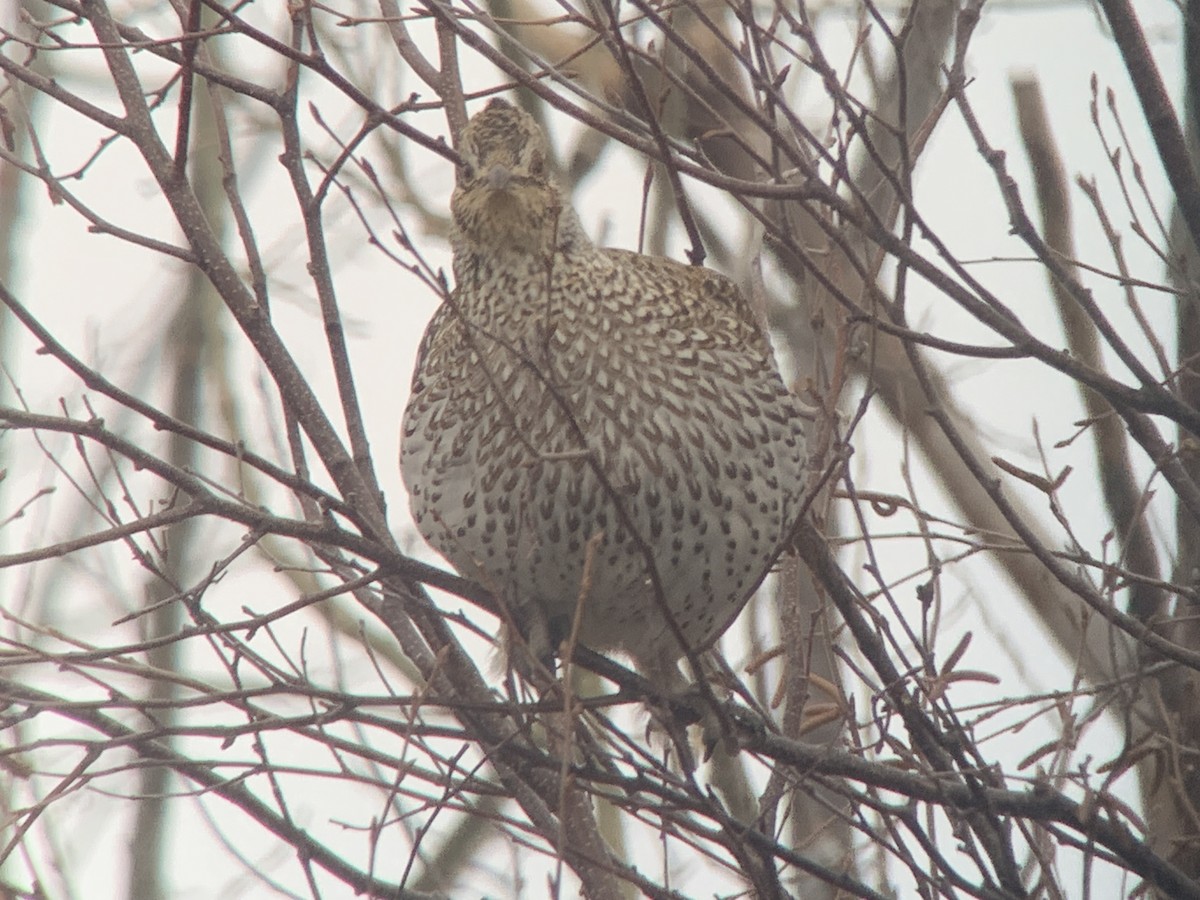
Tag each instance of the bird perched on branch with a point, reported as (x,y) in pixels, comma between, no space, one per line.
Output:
(594,433)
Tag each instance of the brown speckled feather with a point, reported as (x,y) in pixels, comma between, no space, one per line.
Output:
(557,369)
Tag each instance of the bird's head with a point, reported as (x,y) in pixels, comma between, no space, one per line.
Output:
(506,198)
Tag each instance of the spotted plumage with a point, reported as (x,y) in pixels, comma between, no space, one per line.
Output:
(583,408)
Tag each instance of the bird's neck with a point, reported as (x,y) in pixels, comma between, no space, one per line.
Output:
(513,267)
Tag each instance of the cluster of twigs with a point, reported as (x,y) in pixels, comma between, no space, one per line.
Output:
(133,665)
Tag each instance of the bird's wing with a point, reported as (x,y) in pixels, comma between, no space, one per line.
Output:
(705,298)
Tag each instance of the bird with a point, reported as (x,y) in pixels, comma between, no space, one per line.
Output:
(601,438)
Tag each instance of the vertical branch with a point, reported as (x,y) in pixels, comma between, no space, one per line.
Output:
(191,24)
(445,82)
(322,275)
(644,105)
(1171,805)
(1156,106)
(1121,493)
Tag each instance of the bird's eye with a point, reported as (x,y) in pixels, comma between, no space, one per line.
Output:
(466,171)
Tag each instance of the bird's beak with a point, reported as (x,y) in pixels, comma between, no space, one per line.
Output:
(499,178)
